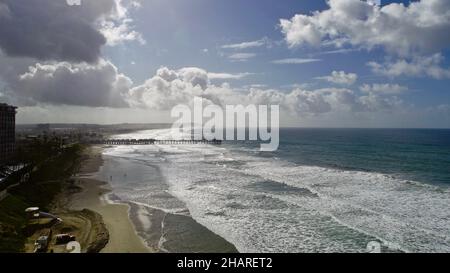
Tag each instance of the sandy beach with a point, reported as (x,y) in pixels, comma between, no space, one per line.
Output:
(140,229)
(122,234)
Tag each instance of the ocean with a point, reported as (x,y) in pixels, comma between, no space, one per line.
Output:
(324,190)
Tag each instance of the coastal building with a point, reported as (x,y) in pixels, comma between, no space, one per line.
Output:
(7,131)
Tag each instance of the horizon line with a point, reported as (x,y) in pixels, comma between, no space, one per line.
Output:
(281,127)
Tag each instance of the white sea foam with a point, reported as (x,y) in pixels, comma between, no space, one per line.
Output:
(263,205)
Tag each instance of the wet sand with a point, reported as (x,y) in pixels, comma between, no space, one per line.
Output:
(176,233)
(136,228)
(122,234)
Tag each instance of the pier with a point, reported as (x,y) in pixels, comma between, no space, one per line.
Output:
(152,142)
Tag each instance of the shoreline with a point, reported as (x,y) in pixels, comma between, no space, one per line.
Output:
(136,228)
(122,235)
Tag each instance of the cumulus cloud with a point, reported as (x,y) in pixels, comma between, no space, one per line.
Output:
(171,87)
(195,76)
(386,88)
(375,103)
(418,67)
(117,33)
(50,30)
(442,109)
(340,77)
(94,85)
(306,102)
(102,85)
(51,52)
(295,61)
(300,102)
(420,27)
(118,28)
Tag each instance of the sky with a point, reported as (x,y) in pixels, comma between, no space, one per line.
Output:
(335,63)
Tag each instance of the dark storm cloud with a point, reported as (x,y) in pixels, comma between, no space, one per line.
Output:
(53,30)
(96,85)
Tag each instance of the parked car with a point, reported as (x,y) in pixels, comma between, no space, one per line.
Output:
(64,239)
(41,244)
(43,241)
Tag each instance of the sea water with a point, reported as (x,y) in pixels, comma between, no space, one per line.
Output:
(324,190)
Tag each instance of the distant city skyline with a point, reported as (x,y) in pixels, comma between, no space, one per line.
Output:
(336,63)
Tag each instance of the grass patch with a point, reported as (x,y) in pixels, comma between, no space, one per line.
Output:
(12,221)
(46,179)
